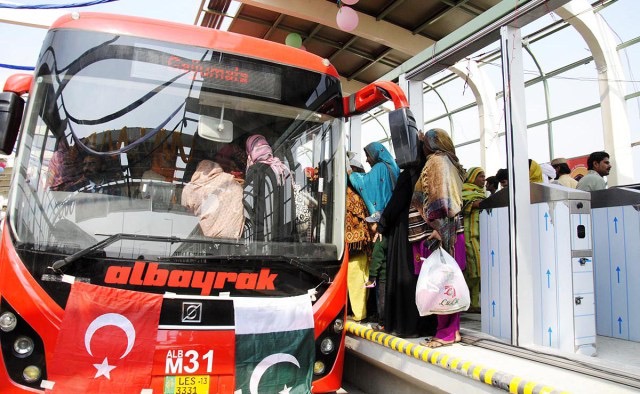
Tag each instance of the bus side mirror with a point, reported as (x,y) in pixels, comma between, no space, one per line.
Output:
(11,108)
(404,136)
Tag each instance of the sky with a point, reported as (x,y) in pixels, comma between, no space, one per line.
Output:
(20,45)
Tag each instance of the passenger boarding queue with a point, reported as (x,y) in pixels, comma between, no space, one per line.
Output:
(397,219)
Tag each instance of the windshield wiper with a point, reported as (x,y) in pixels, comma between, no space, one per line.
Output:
(59,264)
(289,260)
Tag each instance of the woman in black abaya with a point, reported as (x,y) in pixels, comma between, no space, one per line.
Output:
(401,314)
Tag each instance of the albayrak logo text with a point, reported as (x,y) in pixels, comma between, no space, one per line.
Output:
(148,274)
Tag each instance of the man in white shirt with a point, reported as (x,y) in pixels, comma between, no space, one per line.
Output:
(599,166)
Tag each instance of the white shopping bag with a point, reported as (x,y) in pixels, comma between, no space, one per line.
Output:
(441,288)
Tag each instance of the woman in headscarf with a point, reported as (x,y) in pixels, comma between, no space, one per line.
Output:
(441,181)
(268,194)
(375,188)
(401,316)
(472,194)
(359,238)
(535,172)
(216,198)
(232,159)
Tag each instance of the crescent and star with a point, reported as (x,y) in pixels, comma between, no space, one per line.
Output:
(109,319)
(267,362)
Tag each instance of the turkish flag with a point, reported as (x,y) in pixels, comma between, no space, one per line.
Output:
(106,342)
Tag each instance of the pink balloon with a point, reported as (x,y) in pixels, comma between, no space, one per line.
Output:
(349,2)
(347,18)
(304,48)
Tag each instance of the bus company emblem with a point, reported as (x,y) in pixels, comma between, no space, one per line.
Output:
(191,312)
(149,274)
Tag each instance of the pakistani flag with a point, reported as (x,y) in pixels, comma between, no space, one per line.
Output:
(274,345)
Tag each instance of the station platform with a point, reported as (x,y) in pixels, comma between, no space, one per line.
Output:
(377,362)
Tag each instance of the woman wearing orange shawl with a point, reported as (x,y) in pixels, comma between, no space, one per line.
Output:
(441,182)
(359,238)
(472,194)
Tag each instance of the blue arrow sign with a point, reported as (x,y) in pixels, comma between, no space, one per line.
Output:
(549,331)
(619,325)
(546,221)
(493,308)
(615,224)
(618,271)
(492,257)
(548,279)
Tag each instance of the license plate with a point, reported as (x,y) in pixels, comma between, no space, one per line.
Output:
(195,384)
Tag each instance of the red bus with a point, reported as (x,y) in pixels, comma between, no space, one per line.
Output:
(121,113)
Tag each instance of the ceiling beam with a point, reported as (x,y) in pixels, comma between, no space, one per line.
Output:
(329,43)
(273,27)
(324,12)
(388,9)
(370,64)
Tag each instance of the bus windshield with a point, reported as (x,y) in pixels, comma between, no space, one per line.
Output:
(179,152)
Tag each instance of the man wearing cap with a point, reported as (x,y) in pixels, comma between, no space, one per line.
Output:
(599,166)
(563,172)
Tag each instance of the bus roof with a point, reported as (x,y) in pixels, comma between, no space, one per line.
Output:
(195,35)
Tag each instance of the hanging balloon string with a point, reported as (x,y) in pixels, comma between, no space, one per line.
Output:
(13,67)
(53,6)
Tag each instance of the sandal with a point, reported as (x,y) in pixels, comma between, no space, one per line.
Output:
(370,284)
(435,343)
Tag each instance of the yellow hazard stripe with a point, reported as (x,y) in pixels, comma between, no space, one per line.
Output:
(515,384)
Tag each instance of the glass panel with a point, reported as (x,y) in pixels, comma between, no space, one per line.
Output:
(617,16)
(635,154)
(531,69)
(536,103)
(440,123)
(469,155)
(466,126)
(633,113)
(538,143)
(493,71)
(578,135)
(630,58)
(581,82)
(540,23)
(559,49)
(433,105)
(456,93)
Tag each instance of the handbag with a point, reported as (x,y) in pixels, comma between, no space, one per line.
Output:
(441,288)
(418,227)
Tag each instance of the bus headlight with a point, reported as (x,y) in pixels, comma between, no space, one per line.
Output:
(318,368)
(31,374)
(338,325)
(8,321)
(327,346)
(23,346)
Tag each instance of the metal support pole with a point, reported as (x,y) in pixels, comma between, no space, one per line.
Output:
(519,202)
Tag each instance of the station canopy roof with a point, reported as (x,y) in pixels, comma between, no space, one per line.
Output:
(388,33)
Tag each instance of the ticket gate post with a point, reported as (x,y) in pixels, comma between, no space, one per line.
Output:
(616,247)
(562,258)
